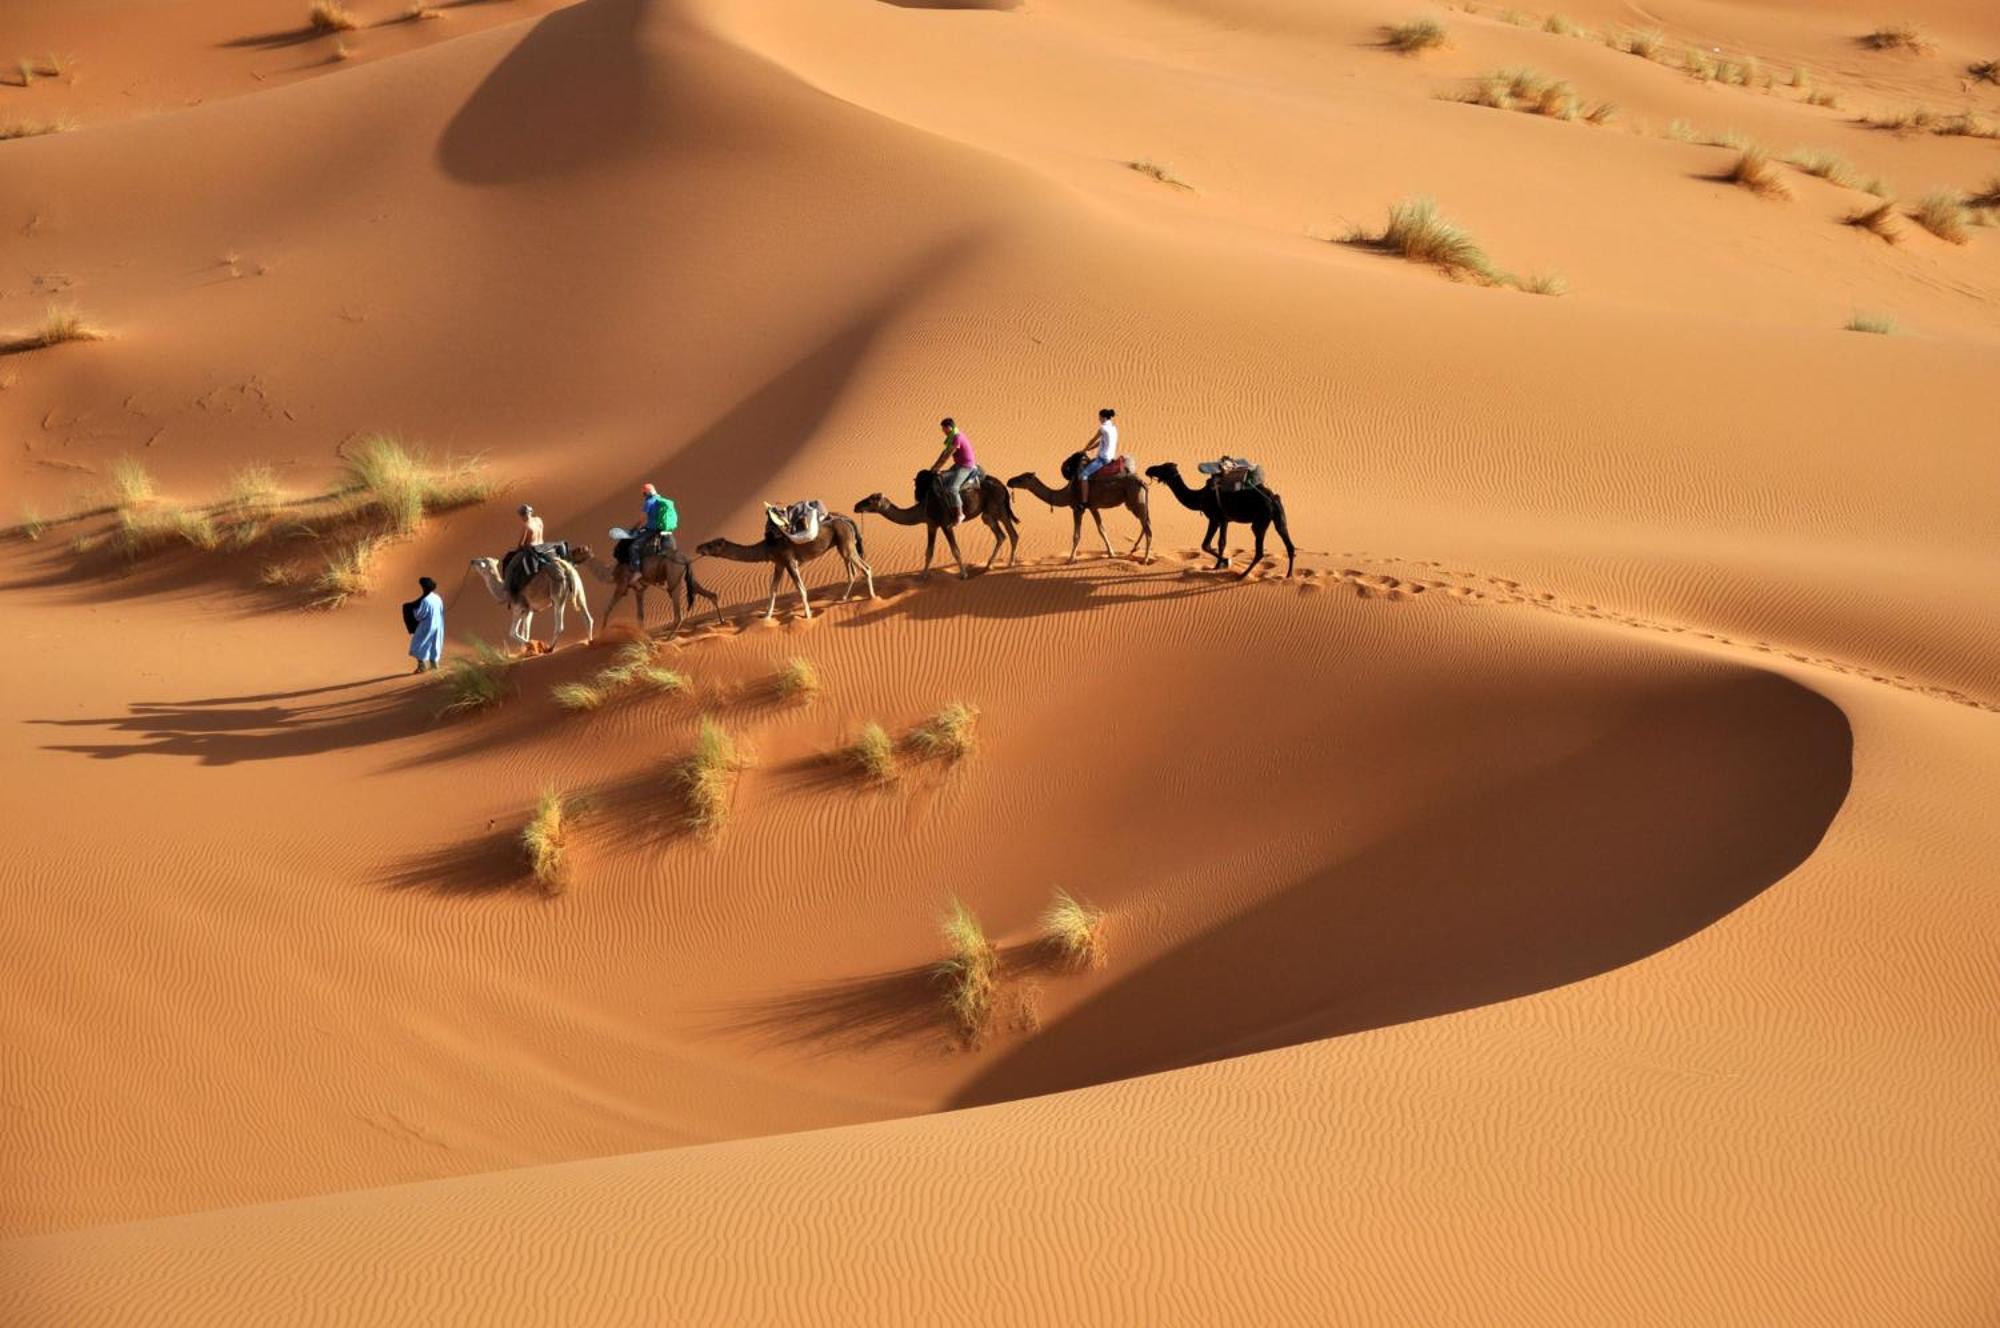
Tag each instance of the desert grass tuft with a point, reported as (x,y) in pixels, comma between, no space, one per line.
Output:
(1825,97)
(32,525)
(873,753)
(1160,171)
(969,972)
(1416,36)
(23,128)
(348,573)
(58,325)
(1900,37)
(476,682)
(330,16)
(1753,171)
(1562,26)
(703,777)
(383,474)
(1984,71)
(1880,325)
(798,680)
(419,11)
(1646,43)
(1075,930)
(1417,232)
(1825,166)
(948,733)
(151,527)
(1879,221)
(1941,213)
(1680,131)
(1542,283)
(545,841)
(251,488)
(1986,196)
(131,484)
(580,696)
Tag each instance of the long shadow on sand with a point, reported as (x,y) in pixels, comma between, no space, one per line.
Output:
(1703,797)
(225,730)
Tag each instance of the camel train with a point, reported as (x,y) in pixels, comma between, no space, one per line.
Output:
(1233,494)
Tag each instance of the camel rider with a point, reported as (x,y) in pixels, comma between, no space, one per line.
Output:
(956,465)
(526,557)
(1099,452)
(656,527)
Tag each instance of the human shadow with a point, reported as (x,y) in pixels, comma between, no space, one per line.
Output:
(1699,799)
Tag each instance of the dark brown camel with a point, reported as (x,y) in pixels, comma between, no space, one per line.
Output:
(989,501)
(675,572)
(1127,491)
(1260,509)
(836,532)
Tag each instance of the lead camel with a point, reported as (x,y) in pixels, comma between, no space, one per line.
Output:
(1260,509)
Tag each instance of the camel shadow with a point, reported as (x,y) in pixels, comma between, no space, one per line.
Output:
(1035,591)
(1701,798)
(225,731)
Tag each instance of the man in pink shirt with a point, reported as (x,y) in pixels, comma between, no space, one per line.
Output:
(955,465)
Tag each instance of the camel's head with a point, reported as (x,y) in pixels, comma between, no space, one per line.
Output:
(708,548)
(579,554)
(486,567)
(1165,470)
(874,502)
(1020,481)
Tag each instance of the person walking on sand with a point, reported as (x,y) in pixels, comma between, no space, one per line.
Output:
(1099,452)
(424,616)
(956,465)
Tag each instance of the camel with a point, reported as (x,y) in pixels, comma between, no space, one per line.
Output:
(836,532)
(1127,491)
(555,587)
(989,500)
(676,573)
(1258,508)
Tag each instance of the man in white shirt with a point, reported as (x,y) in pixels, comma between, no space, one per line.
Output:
(1099,452)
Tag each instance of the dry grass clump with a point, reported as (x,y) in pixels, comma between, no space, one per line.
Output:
(874,753)
(703,777)
(1900,37)
(47,66)
(797,681)
(1417,232)
(1075,930)
(969,971)
(1986,196)
(1561,26)
(578,696)
(1942,215)
(1416,36)
(420,11)
(1826,97)
(32,525)
(146,529)
(330,16)
(1879,221)
(1826,166)
(1530,91)
(1923,120)
(1985,71)
(1155,170)
(1542,283)
(1753,171)
(348,573)
(252,487)
(131,484)
(57,326)
(948,733)
(402,486)
(545,841)
(24,128)
(1879,324)
(475,682)
(1646,43)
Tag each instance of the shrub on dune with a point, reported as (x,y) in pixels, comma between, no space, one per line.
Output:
(1753,171)
(578,696)
(147,529)
(969,972)
(1879,324)
(798,680)
(330,16)
(474,682)
(1942,215)
(347,574)
(948,733)
(252,487)
(1416,36)
(1561,26)
(131,483)
(1986,196)
(1825,166)
(1075,930)
(26,128)
(545,841)
(1543,283)
(874,753)
(1417,232)
(58,325)
(1160,171)
(1879,221)
(1899,37)
(420,11)
(32,525)
(1646,43)
(401,485)
(703,777)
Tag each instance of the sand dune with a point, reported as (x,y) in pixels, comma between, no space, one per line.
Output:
(1561,901)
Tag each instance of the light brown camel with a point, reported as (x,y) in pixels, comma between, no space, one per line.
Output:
(989,501)
(1127,491)
(674,571)
(836,532)
(555,587)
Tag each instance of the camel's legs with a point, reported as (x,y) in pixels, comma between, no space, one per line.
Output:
(799,580)
(930,551)
(1075,531)
(1257,528)
(998,540)
(1221,543)
(1109,552)
(583,607)
(867,573)
(771,605)
(674,603)
(1208,539)
(556,612)
(1145,516)
(951,538)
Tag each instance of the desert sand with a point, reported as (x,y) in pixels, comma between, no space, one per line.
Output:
(1568,899)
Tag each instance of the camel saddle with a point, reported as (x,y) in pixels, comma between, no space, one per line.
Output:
(927,480)
(1232,473)
(1072,466)
(518,566)
(798,522)
(654,542)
